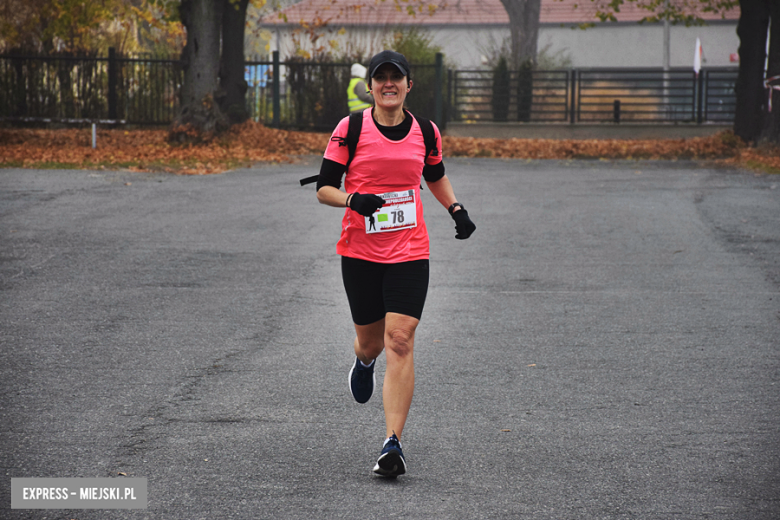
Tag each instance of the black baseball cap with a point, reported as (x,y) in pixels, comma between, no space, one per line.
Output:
(396,58)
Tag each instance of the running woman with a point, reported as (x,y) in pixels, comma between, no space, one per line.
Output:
(384,241)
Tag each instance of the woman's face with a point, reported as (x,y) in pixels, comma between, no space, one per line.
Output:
(389,87)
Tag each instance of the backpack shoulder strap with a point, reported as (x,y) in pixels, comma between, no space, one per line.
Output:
(429,137)
(353,135)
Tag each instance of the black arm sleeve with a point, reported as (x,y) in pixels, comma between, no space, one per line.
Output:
(431,173)
(330,174)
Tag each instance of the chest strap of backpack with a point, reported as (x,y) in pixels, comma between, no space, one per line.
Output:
(353,135)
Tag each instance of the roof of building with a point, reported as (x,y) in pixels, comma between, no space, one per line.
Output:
(450,12)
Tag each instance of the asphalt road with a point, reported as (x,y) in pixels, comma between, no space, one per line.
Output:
(605,346)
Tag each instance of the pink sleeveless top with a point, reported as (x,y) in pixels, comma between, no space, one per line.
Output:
(393,169)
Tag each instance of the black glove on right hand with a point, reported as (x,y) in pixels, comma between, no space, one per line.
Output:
(366,205)
(464,227)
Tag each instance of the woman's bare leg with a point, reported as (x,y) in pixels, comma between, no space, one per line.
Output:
(398,386)
(370,341)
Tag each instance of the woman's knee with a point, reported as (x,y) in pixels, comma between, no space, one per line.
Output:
(371,347)
(400,341)
(370,339)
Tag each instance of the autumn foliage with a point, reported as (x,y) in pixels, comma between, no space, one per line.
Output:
(151,150)
(250,142)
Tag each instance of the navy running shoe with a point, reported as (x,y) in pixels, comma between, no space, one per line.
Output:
(391,462)
(362,381)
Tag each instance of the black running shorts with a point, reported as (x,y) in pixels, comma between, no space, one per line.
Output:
(375,289)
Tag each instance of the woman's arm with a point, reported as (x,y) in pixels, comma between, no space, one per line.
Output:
(442,190)
(329,184)
(332,196)
(364,204)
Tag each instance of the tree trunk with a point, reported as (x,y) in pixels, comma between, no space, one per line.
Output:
(524,30)
(200,117)
(232,84)
(772,124)
(751,96)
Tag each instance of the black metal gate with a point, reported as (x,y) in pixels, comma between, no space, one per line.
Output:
(595,96)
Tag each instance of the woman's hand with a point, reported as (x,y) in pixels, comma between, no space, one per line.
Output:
(464,227)
(366,205)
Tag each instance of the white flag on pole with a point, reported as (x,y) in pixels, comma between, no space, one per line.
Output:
(697,56)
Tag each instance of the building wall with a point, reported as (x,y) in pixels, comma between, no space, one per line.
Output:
(633,45)
(607,45)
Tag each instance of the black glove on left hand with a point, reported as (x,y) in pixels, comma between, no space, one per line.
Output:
(366,205)
(464,227)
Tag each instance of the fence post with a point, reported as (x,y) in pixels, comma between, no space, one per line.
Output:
(276,89)
(700,100)
(694,93)
(437,88)
(572,109)
(454,114)
(525,92)
(448,111)
(112,80)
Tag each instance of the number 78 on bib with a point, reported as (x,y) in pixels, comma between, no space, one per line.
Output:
(399,212)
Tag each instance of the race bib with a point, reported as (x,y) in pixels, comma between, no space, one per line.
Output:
(399,212)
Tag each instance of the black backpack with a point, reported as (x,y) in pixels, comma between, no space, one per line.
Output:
(353,135)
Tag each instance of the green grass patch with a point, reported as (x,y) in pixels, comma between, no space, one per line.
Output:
(762,167)
(109,165)
(54,165)
(11,164)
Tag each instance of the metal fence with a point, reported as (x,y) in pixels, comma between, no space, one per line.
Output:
(718,99)
(140,90)
(65,88)
(313,95)
(636,95)
(307,95)
(595,96)
(478,95)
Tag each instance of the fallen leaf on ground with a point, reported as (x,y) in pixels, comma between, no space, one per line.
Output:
(250,142)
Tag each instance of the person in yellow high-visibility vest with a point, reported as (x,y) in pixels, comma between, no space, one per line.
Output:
(358,96)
